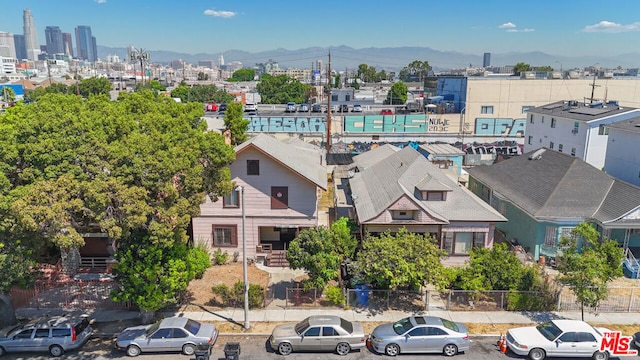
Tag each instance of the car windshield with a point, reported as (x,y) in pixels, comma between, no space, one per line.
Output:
(450,325)
(402,326)
(192,326)
(152,328)
(549,330)
(347,326)
(302,326)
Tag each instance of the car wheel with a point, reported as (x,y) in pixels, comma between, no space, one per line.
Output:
(188,349)
(392,350)
(56,350)
(133,350)
(537,354)
(285,348)
(2,351)
(600,355)
(344,348)
(450,350)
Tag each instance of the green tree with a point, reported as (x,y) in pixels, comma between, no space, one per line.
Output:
(337,84)
(397,95)
(496,268)
(321,250)
(400,260)
(203,76)
(281,89)
(94,86)
(587,264)
(55,88)
(136,169)
(153,85)
(415,71)
(520,67)
(243,75)
(7,94)
(201,94)
(544,68)
(236,123)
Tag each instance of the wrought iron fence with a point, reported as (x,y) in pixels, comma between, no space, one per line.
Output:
(70,295)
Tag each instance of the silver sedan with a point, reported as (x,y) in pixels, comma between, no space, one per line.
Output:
(318,333)
(171,334)
(420,334)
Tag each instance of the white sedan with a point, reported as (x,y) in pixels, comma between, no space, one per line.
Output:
(557,338)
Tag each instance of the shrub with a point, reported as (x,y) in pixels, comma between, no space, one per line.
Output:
(334,295)
(220,257)
(235,296)
(530,301)
(198,261)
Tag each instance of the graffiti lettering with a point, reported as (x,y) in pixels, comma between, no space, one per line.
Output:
(287,124)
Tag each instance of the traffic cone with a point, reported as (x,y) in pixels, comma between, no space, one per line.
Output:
(500,340)
(503,347)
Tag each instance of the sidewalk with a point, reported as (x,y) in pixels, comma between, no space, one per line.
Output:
(294,315)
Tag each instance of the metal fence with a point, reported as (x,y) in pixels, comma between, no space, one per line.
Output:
(299,297)
(386,299)
(620,299)
(72,295)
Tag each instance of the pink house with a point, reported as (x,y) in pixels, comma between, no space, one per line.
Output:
(281,182)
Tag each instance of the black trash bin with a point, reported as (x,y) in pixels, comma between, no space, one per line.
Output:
(202,352)
(232,351)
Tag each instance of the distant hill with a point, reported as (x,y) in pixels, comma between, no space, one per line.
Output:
(389,59)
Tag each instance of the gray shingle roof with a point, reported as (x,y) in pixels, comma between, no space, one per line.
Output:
(559,186)
(631,125)
(441,149)
(302,158)
(395,175)
(366,159)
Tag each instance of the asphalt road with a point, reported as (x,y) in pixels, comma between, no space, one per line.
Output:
(256,348)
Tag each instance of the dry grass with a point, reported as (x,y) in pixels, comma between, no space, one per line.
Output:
(326,201)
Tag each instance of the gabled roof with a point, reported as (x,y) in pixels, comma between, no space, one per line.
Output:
(397,174)
(557,185)
(441,149)
(366,159)
(301,158)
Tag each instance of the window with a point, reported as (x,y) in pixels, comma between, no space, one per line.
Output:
(329,331)
(551,145)
(487,109)
(61,332)
(586,337)
(576,127)
(162,334)
(525,109)
(478,239)
(231,200)
(253,167)
(436,196)
(24,334)
(334,97)
(485,193)
(503,208)
(225,235)
(560,147)
(569,337)
(603,130)
(434,331)
(573,151)
(314,331)
(178,334)
(553,122)
(42,333)
(530,140)
(550,236)
(542,121)
(279,197)
(402,214)
(530,118)
(421,331)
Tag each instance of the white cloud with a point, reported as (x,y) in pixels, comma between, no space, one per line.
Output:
(611,27)
(528,30)
(220,13)
(508,25)
(511,27)
(101,1)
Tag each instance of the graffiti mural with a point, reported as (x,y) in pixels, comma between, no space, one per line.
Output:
(502,147)
(287,124)
(494,127)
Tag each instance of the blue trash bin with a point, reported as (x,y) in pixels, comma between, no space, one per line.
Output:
(362,294)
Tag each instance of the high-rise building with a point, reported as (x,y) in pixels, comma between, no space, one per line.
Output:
(486,60)
(30,36)
(7,45)
(21,47)
(67,44)
(86,44)
(55,41)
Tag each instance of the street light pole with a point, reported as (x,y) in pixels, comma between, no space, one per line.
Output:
(240,189)
(462,112)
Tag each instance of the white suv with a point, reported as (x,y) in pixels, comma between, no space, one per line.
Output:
(251,107)
(53,334)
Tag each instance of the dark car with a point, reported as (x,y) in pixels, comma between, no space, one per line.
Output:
(344,108)
(222,107)
(317,108)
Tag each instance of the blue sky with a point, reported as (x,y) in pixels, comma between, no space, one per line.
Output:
(558,27)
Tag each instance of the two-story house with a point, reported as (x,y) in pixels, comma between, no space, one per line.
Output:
(281,183)
(392,188)
(545,194)
(576,128)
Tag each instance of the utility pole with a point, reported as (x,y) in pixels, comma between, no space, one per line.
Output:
(329,105)
(593,85)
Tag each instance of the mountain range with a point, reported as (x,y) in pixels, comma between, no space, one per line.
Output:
(384,58)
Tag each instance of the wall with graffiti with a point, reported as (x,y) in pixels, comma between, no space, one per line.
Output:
(288,124)
(496,148)
(508,127)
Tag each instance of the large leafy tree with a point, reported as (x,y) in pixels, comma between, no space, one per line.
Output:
(281,89)
(201,94)
(136,168)
(94,86)
(400,260)
(520,67)
(415,71)
(243,75)
(236,123)
(397,95)
(321,250)
(587,264)
(492,269)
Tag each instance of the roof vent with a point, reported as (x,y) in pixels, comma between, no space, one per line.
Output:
(537,155)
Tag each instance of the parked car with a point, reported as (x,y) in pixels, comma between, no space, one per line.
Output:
(53,334)
(636,339)
(222,107)
(344,108)
(250,107)
(170,334)
(420,334)
(357,108)
(386,112)
(291,107)
(318,333)
(557,338)
(211,107)
(304,107)
(318,108)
